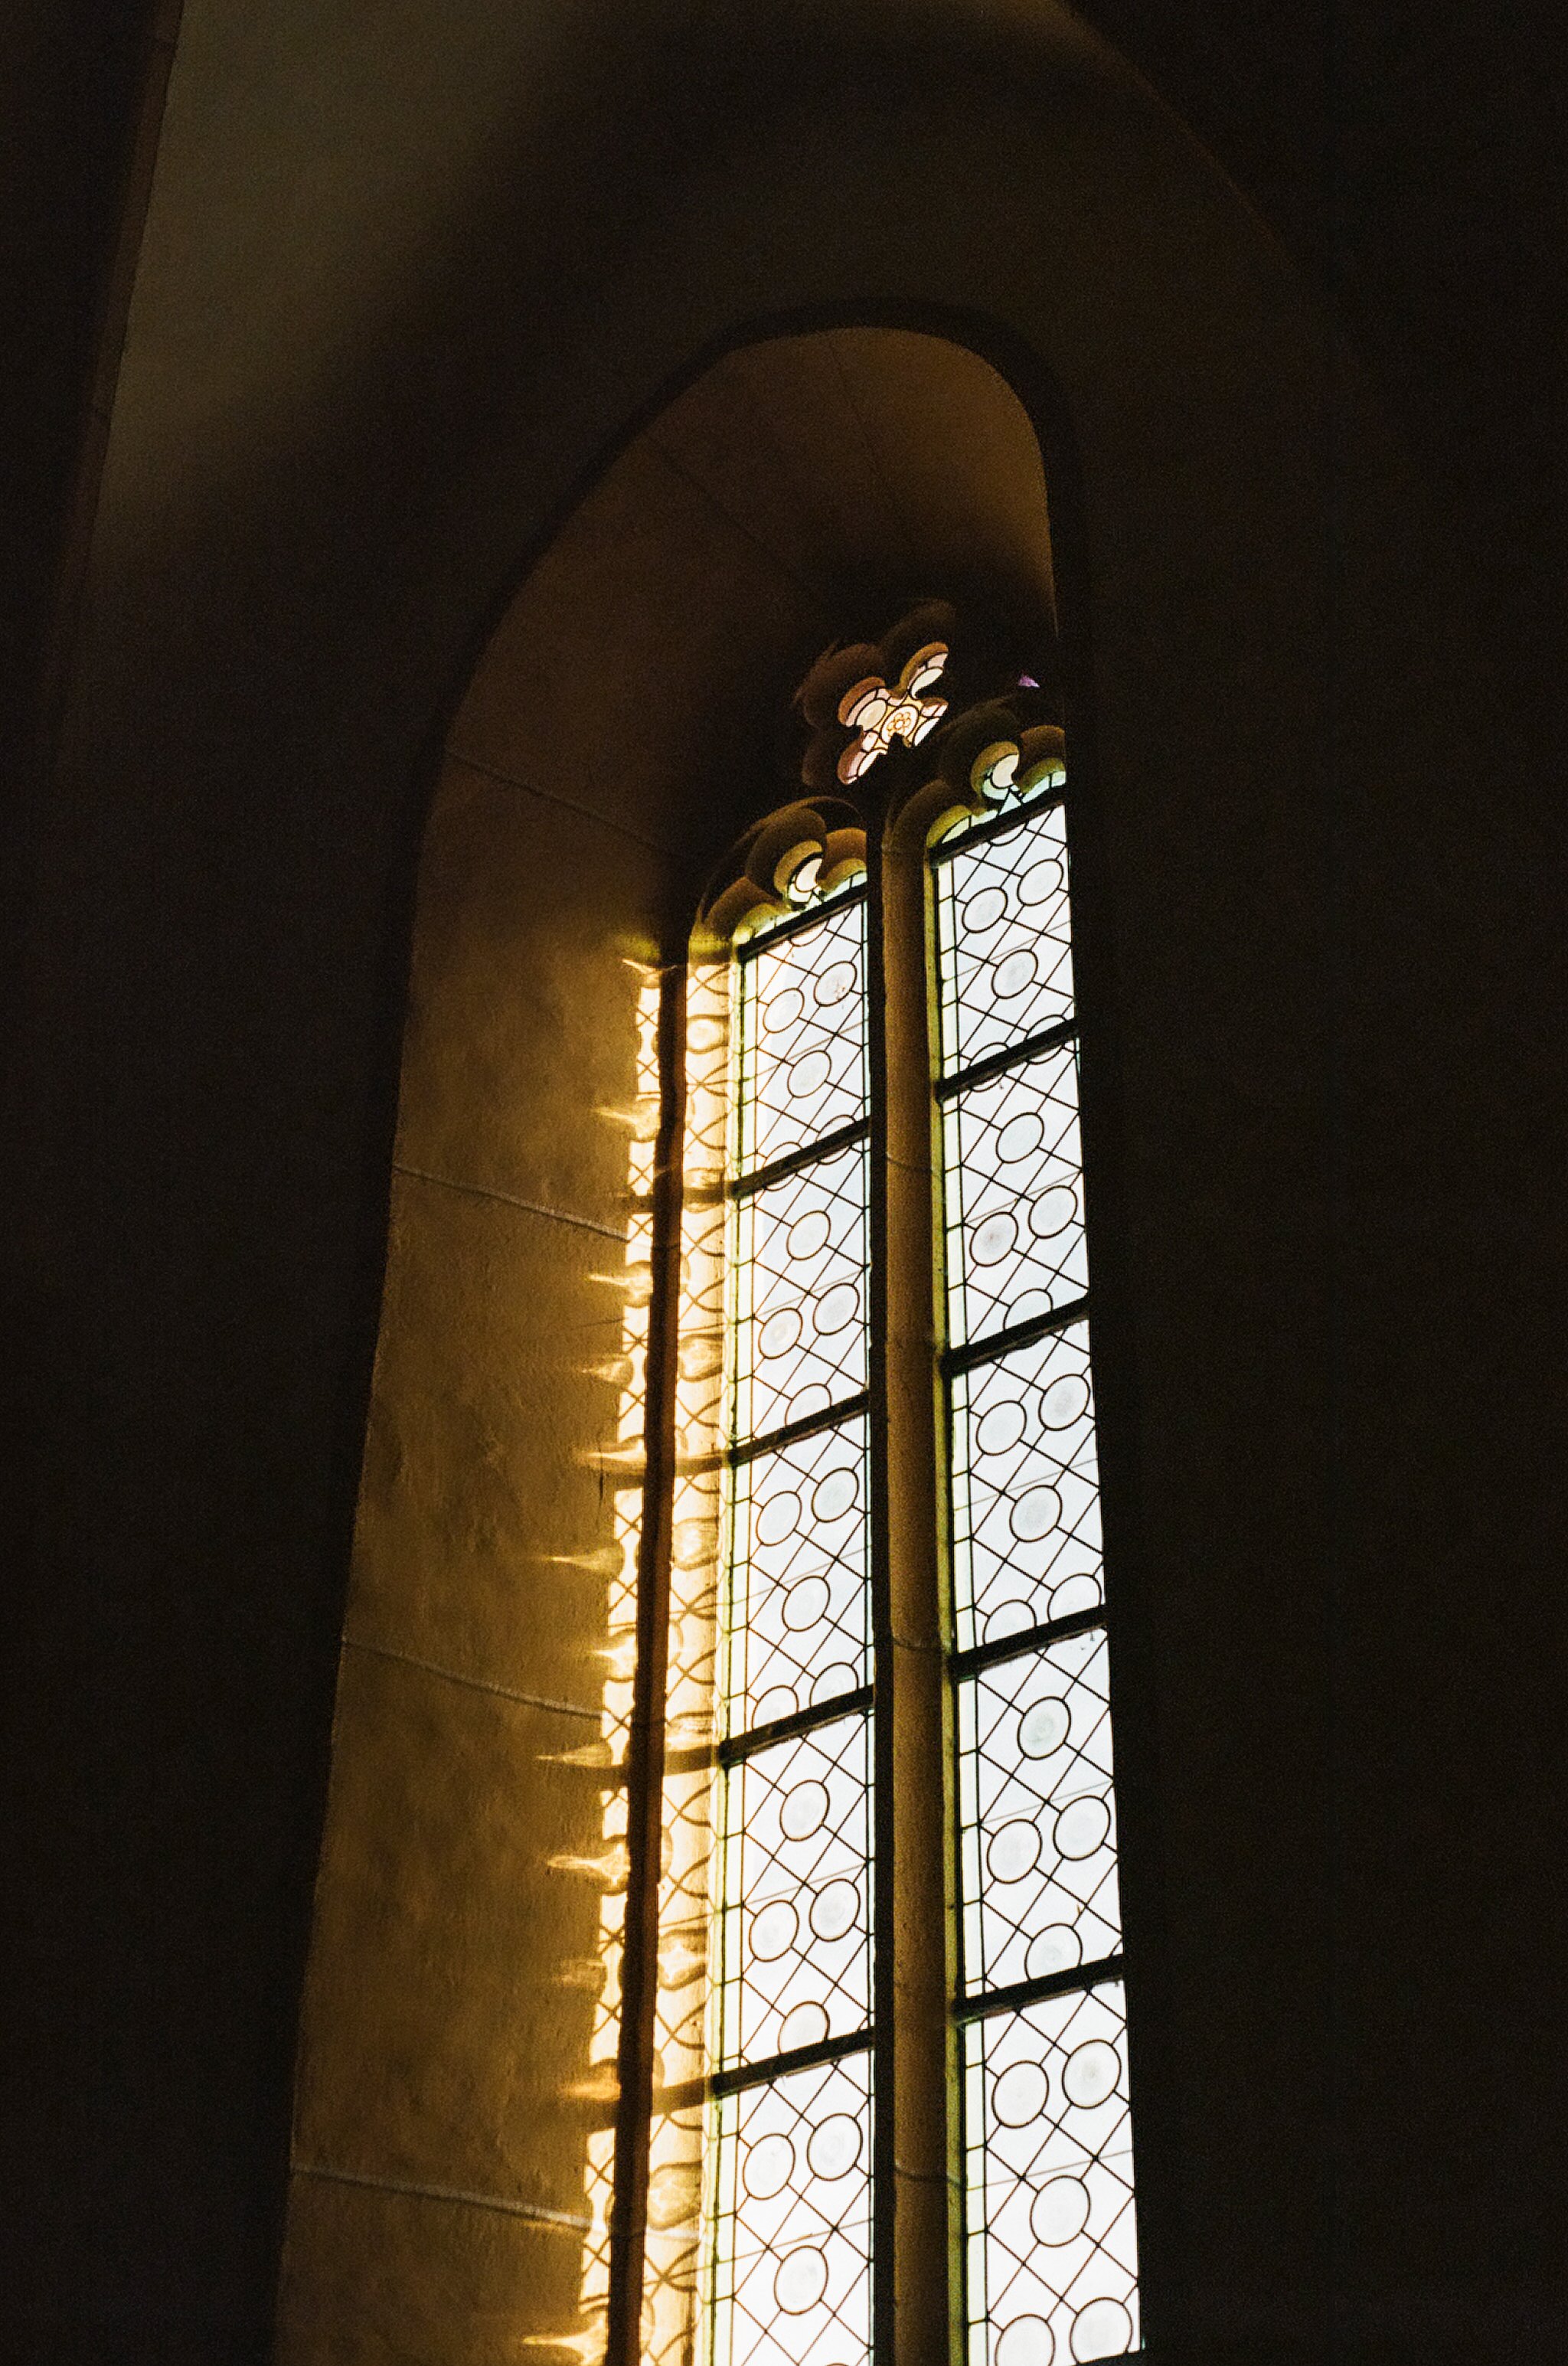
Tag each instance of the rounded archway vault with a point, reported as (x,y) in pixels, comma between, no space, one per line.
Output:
(626,720)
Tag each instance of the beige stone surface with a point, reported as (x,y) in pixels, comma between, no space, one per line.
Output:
(521,1029)
(484,1521)
(446,2030)
(380,2278)
(651,715)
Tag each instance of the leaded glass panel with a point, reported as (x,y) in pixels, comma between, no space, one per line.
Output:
(791,2218)
(1025,1488)
(797,1630)
(788,2142)
(1052,2246)
(1037,1814)
(1015,1246)
(802,1065)
(1004,937)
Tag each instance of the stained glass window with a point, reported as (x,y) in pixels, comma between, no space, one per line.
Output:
(1049,2236)
(789,2031)
(770,2211)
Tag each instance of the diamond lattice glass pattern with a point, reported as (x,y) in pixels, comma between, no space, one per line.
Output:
(1004,937)
(796,1633)
(793,1942)
(1038,1815)
(1053,2253)
(1015,1244)
(788,2218)
(1026,1489)
(791,2218)
(801,1052)
(1052,2271)
(800,1293)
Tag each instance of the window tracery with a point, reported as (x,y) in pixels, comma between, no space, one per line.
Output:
(784,2048)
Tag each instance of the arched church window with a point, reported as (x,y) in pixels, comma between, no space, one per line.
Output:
(873,2092)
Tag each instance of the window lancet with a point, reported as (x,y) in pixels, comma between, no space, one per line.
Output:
(888,1927)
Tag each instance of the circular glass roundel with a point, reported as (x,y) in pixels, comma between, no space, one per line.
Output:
(833,1495)
(1020,2094)
(808,1236)
(836,1310)
(779,1700)
(768,2167)
(1020,1136)
(1007,1618)
(809,1074)
(835,2146)
(804,1811)
(1001,1426)
(993,1236)
(1055,1949)
(834,986)
(1090,2073)
(1013,1850)
(806,1604)
(1059,2212)
(800,2279)
(780,1332)
(773,1929)
(1103,2328)
(835,1910)
(783,1011)
(1079,1592)
(1081,1828)
(778,1517)
(984,909)
(1064,1402)
(1043,1729)
(1053,1211)
(1041,881)
(1027,2341)
(839,1676)
(1035,1515)
(806,2025)
(1013,975)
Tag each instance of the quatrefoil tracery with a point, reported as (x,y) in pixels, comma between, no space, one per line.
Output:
(878,713)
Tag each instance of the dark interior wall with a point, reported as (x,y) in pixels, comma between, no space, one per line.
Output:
(398,292)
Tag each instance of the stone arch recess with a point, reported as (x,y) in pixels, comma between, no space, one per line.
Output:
(377,437)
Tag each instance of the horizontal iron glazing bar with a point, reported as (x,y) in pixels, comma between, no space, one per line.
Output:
(1014,1056)
(993,826)
(779,2066)
(745,1186)
(772,1440)
(1025,1993)
(1018,1334)
(1029,1638)
(785,1728)
(797,925)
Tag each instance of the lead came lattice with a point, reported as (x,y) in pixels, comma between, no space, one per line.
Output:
(788,2143)
(1050,2244)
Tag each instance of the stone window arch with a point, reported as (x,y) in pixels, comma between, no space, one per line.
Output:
(460,2062)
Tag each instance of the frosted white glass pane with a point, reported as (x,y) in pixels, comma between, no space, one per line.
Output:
(1037,1815)
(791,2219)
(1052,2246)
(797,1622)
(793,1955)
(1026,1489)
(1004,939)
(802,1036)
(800,1294)
(1015,1241)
